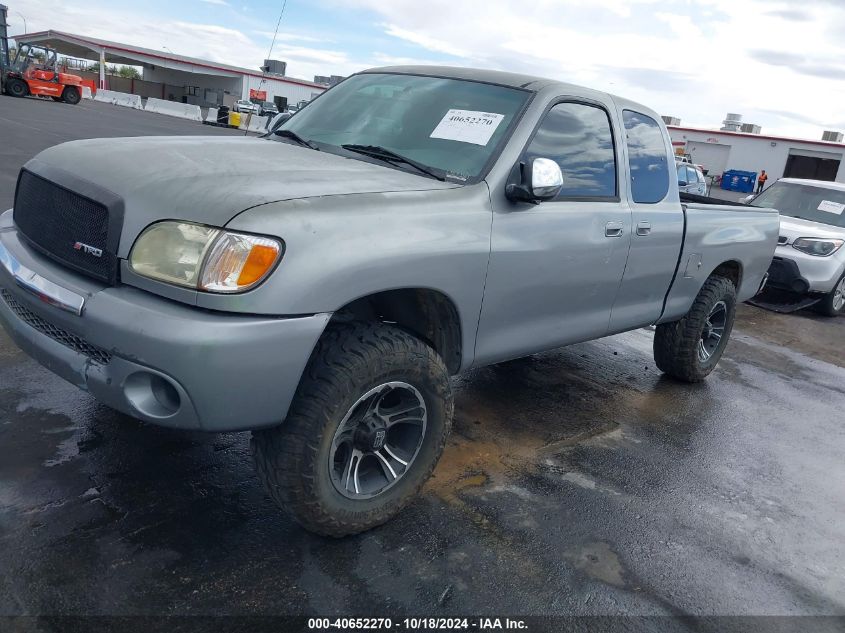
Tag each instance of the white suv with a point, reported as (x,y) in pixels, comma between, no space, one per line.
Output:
(809,259)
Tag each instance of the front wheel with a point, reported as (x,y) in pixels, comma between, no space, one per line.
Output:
(690,349)
(17,87)
(833,303)
(71,95)
(364,432)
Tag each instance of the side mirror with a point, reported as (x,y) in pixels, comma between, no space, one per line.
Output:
(683,183)
(540,179)
(276,121)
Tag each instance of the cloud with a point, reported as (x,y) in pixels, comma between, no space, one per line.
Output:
(425,41)
(221,3)
(291,37)
(824,68)
(696,59)
(796,15)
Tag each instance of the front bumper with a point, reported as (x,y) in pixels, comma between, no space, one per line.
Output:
(152,358)
(799,272)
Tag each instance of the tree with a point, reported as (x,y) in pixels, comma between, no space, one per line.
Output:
(129,72)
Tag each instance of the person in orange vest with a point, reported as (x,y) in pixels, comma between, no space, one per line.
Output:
(761,181)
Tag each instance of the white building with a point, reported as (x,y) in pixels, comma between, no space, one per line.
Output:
(781,157)
(175,77)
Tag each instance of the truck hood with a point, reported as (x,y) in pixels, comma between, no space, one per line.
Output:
(212,179)
(793,228)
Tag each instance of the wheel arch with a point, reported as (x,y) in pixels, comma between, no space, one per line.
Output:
(731,270)
(427,313)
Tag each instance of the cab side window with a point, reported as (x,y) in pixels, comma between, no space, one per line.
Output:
(578,137)
(646,158)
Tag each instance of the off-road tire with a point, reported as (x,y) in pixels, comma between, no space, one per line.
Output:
(825,306)
(676,343)
(16,87)
(71,95)
(292,460)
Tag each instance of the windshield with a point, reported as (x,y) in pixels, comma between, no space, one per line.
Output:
(448,124)
(807,202)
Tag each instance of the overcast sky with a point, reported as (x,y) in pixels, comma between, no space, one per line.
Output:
(779,63)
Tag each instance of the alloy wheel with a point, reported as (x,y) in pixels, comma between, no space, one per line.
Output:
(377,440)
(839,295)
(714,330)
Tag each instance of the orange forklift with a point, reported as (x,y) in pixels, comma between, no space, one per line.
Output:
(34,71)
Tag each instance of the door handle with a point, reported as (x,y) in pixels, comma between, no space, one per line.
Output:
(614,229)
(643,228)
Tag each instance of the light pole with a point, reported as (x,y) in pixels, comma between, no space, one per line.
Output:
(25,30)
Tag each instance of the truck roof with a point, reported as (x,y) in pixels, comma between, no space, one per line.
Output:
(511,80)
(824,184)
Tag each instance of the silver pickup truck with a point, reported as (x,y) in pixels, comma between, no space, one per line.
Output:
(320,287)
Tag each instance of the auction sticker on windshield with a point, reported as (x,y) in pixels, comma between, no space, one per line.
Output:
(832,207)
(467,126)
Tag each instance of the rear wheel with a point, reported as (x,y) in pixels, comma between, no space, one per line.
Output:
(17,87)
(366,428)
(71,95)
(833,303)
(690,349)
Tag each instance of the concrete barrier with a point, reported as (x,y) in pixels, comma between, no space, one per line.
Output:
(172,108)
(119,98)
(86,93)
(211,115)
(254,123)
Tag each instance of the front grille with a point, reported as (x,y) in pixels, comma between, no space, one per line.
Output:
(61,223)
(59,335)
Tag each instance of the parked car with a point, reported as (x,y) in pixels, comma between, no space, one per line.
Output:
(320,288)
(809,259)
(691,179)
(245,107)
(268,108)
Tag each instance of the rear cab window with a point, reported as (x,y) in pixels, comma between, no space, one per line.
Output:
(646,158)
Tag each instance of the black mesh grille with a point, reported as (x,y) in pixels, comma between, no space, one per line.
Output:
(64,337)
(61,223)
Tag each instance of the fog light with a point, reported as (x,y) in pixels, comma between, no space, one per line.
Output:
(152,395)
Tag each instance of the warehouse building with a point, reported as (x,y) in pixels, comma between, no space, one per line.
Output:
(166,75)
(725,149)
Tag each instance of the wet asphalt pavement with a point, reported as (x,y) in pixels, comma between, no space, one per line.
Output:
(576,482)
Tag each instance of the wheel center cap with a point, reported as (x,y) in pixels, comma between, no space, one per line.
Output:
(378,439)
(371,435)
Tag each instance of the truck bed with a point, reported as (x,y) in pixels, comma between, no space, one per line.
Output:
(693,198)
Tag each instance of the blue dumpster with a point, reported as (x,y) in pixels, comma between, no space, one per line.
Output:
(736,180)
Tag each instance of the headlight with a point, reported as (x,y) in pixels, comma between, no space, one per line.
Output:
(203,257)
(817,246)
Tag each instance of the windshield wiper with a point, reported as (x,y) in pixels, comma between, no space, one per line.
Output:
(388,155)
(296,138)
